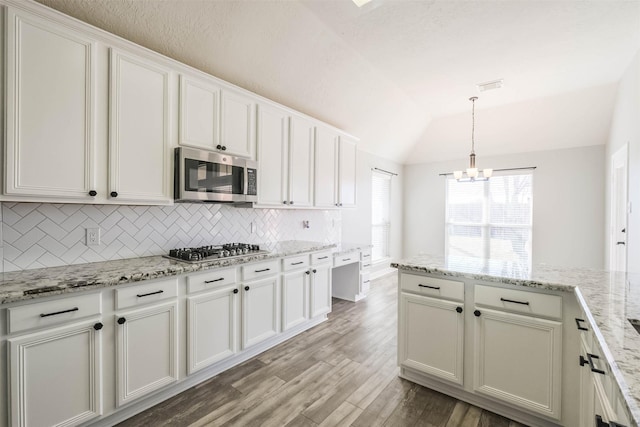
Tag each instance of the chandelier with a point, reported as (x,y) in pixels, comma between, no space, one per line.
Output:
(472,171)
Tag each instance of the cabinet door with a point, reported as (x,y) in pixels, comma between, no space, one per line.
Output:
(139,130)
(260,310)
(431,336)
(295,298)
(146,351)
(238,124)
(518,360)
(272,156)
(326,171)
(301,162)
(199,113)
(50,109)
(211,327)
(56,376)
(347,173)
(320,293)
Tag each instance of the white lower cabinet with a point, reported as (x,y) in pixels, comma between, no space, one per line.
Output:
(260,310)
(146,350)
(212,326)
(320,290)
(432,336)
(517,359)
(295,298)
(55,376)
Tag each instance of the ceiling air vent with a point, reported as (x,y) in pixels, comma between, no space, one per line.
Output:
(494,84)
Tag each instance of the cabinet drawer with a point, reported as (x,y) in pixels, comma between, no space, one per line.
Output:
(210,280)
(321,257)
(43,314)
(431,286)
(146,293)
(365,256)
(351,257)
(519,301)
(262,269)
(295,262)
(365,283)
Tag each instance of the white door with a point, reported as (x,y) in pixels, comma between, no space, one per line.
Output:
(146,351)
(56,376)
(320,290)
(619,202)
(518,360)
(260,310)
(273,136)
(139,130)
(347,173)
(295,298)
(326,168)
(301,162)
(238,124)
(50,92)
(431,336)
(199,113)
(212,327)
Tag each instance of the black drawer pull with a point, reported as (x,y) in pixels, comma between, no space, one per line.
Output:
(367,281)
(430,287)
(150,293)
(297,263)
(261,271)
(59,312)
(366,256)
(514,301)
(214,280)
(580,327)
(323,257)
(346,259)
(589,361)
(600,423)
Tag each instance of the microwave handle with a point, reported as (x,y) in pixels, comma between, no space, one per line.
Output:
(245,179)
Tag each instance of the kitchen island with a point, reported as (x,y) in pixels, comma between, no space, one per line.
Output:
(605,305)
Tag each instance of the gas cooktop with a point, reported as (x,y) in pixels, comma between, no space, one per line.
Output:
(213,252)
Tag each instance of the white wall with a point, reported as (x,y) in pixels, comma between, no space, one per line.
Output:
(625,129)
(356,222)
(568,204)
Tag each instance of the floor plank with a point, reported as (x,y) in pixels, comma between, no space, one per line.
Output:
(340,373)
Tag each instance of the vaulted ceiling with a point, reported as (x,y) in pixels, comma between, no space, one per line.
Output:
(398,73)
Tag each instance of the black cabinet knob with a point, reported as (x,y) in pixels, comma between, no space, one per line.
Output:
(459,309)
(246,288)
(284,202)
(315,271)
(219,147)
(224,148)
(121,320)
(477,313)
(114,194)
(291,202)
(235,291)
(97,326)
(93,193)
(307,272)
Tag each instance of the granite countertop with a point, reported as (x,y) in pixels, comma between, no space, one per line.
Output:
(31,284)
(611,301)
(345,248)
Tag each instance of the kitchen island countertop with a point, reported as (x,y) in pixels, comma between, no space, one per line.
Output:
(611,301)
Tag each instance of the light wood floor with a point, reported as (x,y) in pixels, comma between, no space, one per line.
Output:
(340,373)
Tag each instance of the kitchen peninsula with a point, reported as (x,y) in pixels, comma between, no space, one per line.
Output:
(525,338)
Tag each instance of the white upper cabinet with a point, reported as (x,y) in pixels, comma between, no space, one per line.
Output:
(326,168)
(347,173)
(301,159)
(237,132)
(272,155)
(199,113)
(50,109)
(139,129)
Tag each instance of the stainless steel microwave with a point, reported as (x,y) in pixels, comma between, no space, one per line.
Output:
(207,176)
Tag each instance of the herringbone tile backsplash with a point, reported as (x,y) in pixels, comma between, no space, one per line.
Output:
(36,235)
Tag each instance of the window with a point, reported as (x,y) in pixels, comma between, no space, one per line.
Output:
(490,221)
(380,224)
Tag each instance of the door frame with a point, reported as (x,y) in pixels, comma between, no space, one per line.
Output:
(619,160)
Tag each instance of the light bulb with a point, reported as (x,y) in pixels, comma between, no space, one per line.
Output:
(488,173)
(457,174)
(472,172)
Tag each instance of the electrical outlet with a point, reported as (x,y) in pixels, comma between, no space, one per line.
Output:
(253,227)
(93,236)
(305,224)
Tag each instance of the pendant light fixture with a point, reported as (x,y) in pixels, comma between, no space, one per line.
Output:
(472,170)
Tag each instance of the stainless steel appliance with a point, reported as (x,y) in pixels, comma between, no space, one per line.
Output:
(206,176)
(213,252)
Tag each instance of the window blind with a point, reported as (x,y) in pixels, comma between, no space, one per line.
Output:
(380,214)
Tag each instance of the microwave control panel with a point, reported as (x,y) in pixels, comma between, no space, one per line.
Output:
(252,182)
